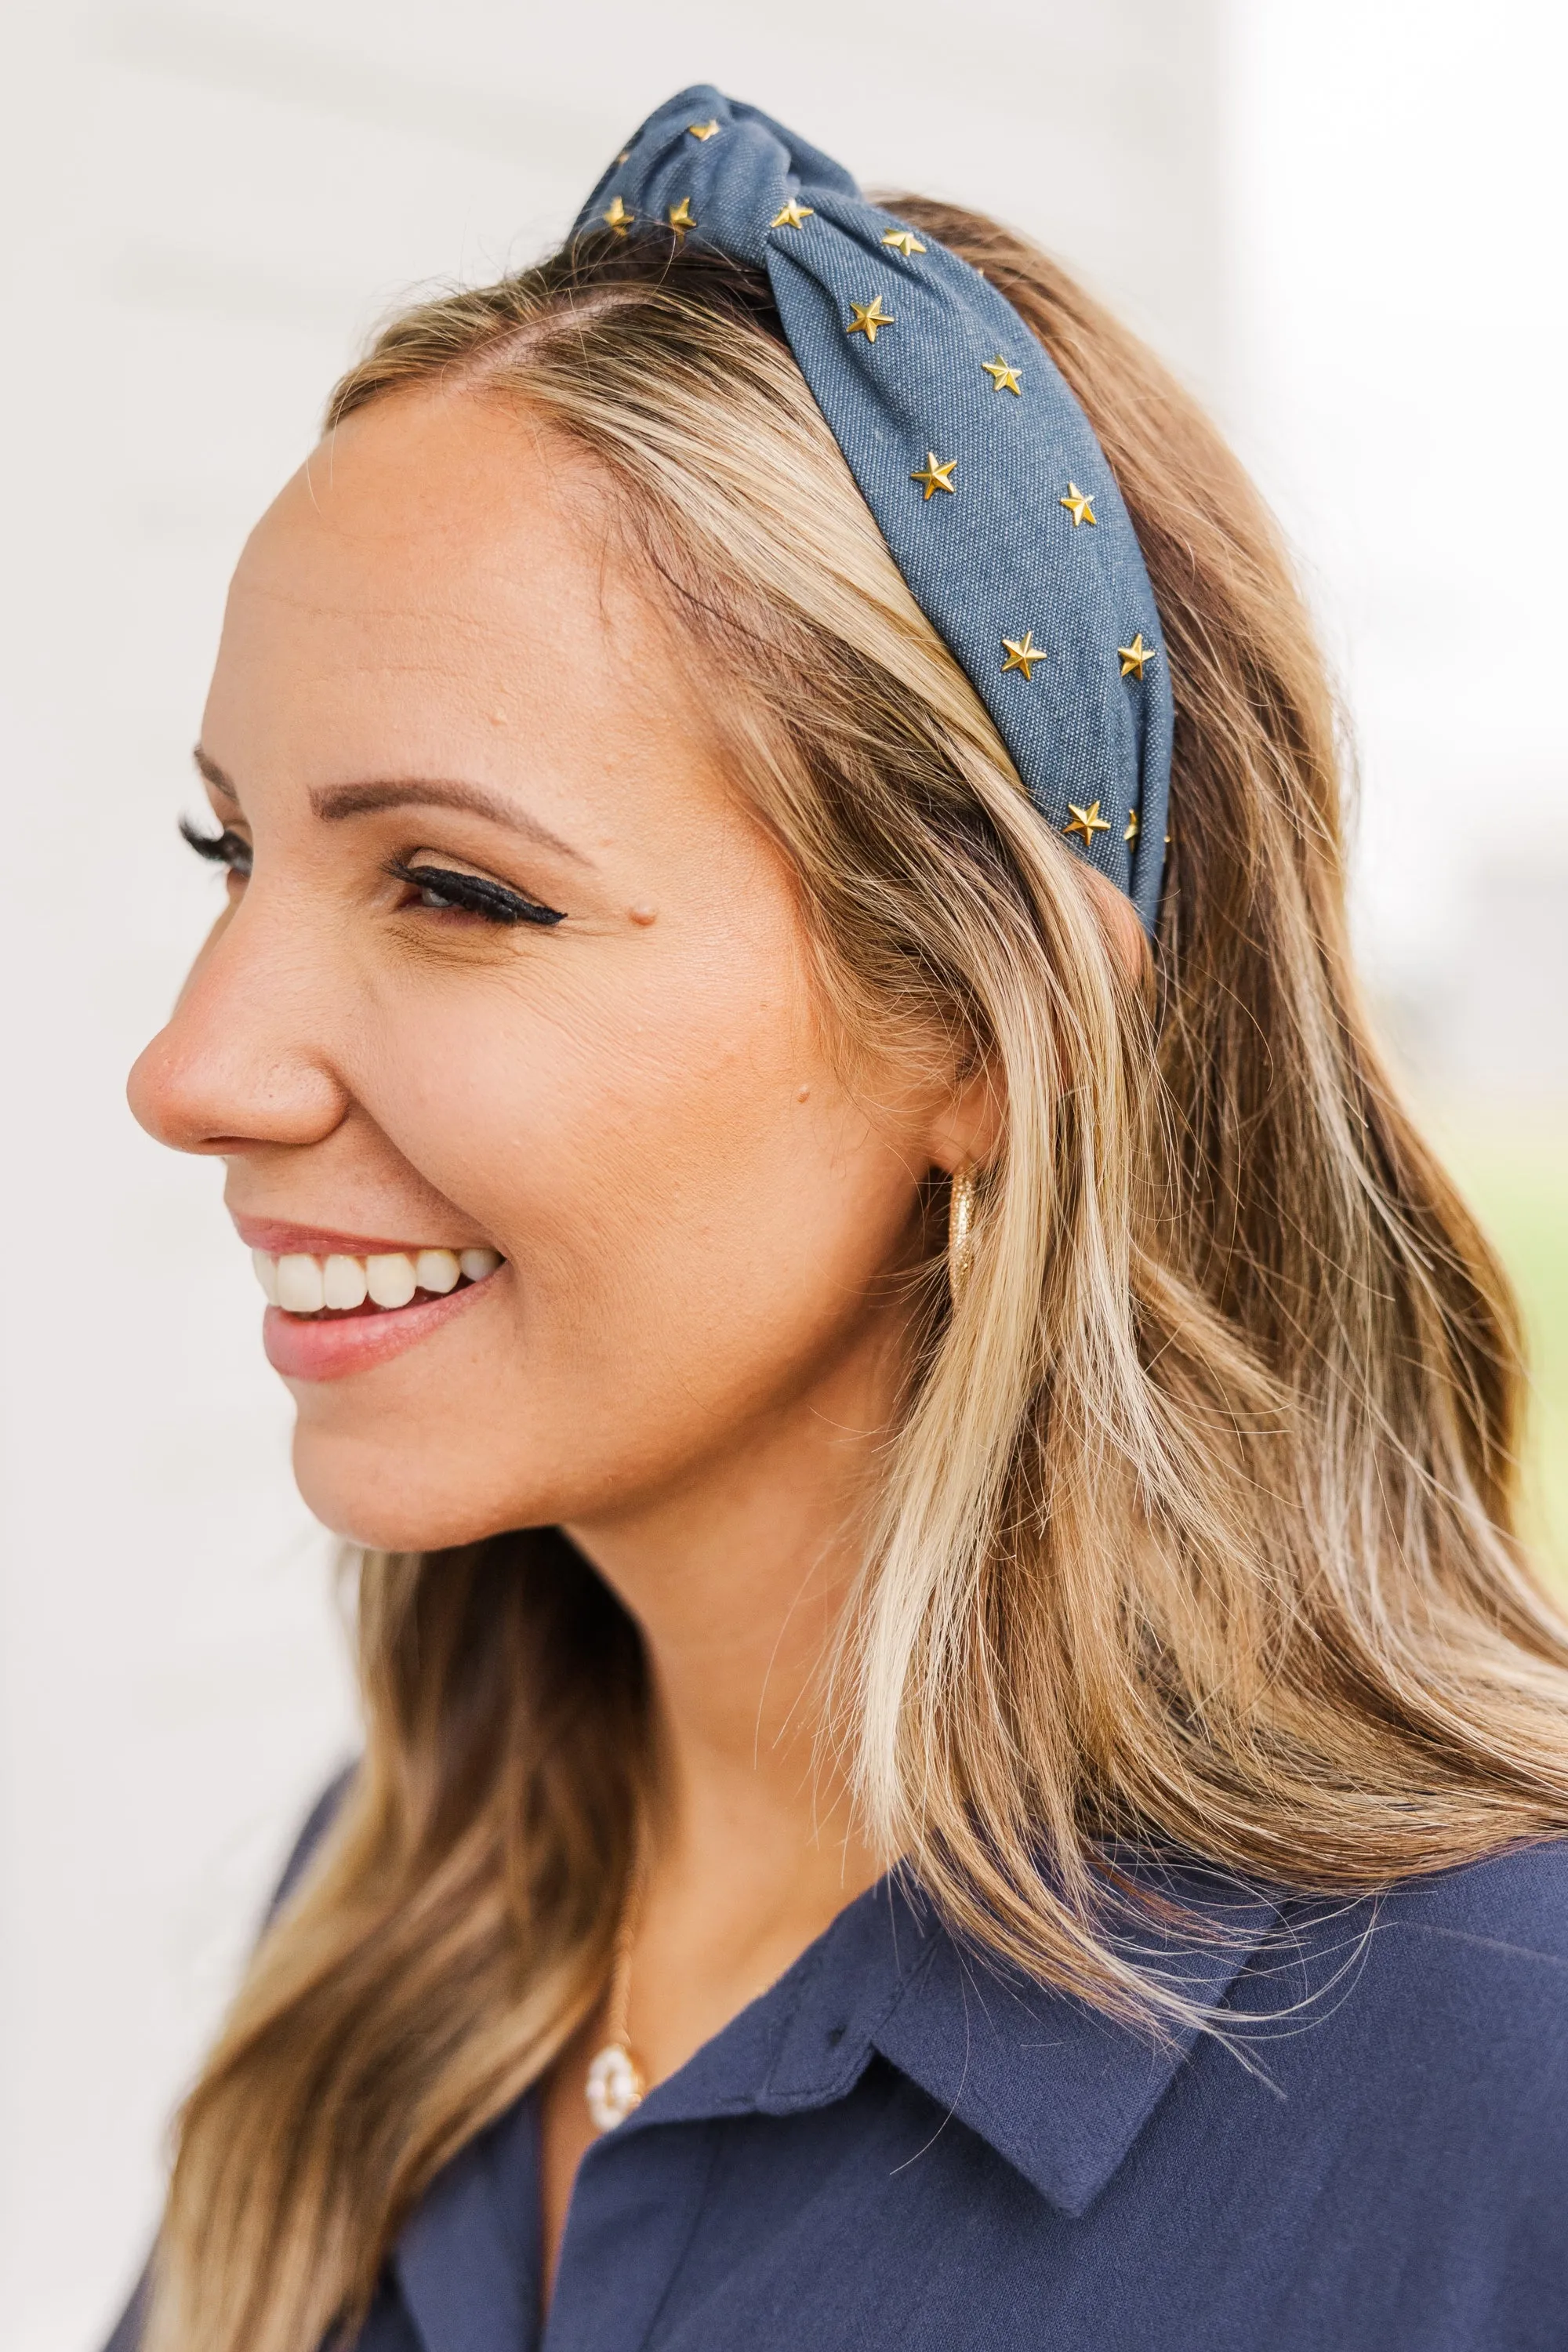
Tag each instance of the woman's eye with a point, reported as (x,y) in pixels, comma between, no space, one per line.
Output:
(225,848)
(444,889)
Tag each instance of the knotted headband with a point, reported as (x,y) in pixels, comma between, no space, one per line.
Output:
(983,472)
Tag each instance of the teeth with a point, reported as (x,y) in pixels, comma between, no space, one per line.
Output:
(299,1290)
(342,1280)
(437,1270)
(390,1279)
(301,1285)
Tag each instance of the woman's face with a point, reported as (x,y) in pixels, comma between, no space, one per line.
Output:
(435,664)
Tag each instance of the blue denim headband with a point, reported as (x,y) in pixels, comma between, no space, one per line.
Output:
(983,472)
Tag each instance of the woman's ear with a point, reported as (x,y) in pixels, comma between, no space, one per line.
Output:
(1119,919)
(968,1129)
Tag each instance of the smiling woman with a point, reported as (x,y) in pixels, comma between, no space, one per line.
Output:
(397,948)
(933,1457)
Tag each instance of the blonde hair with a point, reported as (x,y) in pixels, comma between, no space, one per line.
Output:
(1198,1527)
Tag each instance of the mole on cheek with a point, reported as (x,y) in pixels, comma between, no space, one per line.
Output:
(644,914)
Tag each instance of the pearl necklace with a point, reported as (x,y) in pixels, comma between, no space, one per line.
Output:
(616,2081)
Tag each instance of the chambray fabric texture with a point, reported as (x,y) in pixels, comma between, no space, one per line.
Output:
(896,2149)
(999,555)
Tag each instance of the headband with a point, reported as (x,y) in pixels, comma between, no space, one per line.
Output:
(982,471)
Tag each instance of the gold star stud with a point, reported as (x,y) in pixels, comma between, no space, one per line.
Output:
(1087,821)
(904,239)
(1132,831)
(617,217)
(1021,651)
(704,129)
(1134,656)
(868,317)
(794,213)
(1077,506)
(679,216)
(1002,377)
(935,475)
(624,156)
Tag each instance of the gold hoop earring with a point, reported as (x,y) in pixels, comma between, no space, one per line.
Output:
(960,1231)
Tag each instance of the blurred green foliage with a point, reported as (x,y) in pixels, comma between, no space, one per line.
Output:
(1514,1172)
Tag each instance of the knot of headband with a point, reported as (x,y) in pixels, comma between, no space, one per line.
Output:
(982,471)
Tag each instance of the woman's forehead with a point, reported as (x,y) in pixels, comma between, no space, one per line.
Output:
(443,504)
(441,564)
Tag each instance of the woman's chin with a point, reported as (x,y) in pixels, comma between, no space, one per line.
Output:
(382,1502)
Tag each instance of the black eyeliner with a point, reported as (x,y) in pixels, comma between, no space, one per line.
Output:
(476,894)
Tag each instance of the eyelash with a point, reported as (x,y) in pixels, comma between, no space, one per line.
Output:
(475,894)
(225,848)
(439,885)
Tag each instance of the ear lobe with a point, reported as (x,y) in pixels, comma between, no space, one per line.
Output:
(969,1127)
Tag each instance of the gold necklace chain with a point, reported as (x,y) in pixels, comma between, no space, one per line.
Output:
(616,2083)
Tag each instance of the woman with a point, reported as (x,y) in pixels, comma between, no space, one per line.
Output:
(959,1749)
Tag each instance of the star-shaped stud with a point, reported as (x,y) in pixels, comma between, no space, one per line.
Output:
(1134,656)
(1002,377)
(1021,651)
(868,317)
(1132,831)
(794,213)
(624,156)
(904,240)
(1077,504)
(935,475)
(617,217)
(1087,821)
(704,129)
(679,216)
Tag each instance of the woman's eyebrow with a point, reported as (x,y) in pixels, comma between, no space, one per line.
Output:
(335,801)
(214,775)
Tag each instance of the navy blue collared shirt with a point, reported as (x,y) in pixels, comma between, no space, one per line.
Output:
(900,2147)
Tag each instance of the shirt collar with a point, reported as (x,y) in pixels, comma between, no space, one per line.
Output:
(1057,2088)
(1053,2085)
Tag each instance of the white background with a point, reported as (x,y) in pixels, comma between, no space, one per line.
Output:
(1340,220)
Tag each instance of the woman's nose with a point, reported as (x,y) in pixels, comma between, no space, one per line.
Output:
(241,1063)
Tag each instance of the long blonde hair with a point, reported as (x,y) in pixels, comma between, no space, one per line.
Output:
(1198,1529)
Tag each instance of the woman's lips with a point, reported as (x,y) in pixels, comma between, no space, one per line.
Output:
(330,1347)
(280,1235)
(340,1303)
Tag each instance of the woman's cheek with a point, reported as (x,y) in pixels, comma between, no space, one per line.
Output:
(571,1103)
